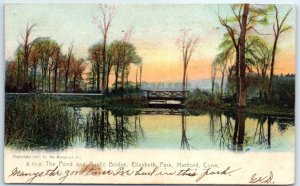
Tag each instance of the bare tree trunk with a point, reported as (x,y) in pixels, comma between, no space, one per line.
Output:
(26,79)
(98,77)
(184,80)
(49,81)
(74,83)
(66,80)
(55,77)
(117,77)
(136,78)
(243,83)
(93,81)
(104,62)
(68,65)
(141,69)
(107,77)
(237,74)
(272,68)
(34,77)
(123,78)
(222,82)
(213,78)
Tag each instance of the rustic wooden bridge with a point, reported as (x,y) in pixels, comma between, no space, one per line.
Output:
(165,98)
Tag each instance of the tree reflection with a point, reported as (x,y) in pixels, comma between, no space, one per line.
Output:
(98,131)
(225,132)
(234,138)
(184,140)
(104,130)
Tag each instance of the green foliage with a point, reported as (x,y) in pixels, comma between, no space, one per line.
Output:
(201,98)
(283,91)
(37,122)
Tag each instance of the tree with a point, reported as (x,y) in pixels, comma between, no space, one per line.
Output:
(117,50)
(243,84)
(244,19)
(187,44)
(95,56)
(141,70)
(213,76)
(259,56)
(34,59)
(125,54)
(107,14)
(76,69)
(19,58)
(56,55)
(223,59)
(27,49)
(278,28)
(67,67)
(44,49)
(109,66)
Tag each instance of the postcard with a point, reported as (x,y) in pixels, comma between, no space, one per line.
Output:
(150,93)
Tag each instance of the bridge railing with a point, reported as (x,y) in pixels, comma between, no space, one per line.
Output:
(165,95)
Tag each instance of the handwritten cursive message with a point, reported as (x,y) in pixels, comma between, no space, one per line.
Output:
(91,170)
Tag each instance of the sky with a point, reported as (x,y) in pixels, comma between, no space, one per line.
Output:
(156,28)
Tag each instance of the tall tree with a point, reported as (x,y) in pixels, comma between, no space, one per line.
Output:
(107,14)
(243,81)
(109,66)
(76,69)
(187,44)
(69,58)
(56,60)
(34,59)
(27,49)
(213,73)
(141,70)
(259,56)
(278,28)
(95,56)
(117,50)
(223,59)
(244,19)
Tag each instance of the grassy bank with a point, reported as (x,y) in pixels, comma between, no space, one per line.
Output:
(196,102)
(204,100)
(38,122)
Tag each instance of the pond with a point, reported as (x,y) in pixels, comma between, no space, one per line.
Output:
(98,127)
(178,129)
(45,125)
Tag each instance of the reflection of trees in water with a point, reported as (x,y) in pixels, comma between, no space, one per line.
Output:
(104,130)
(212,127)
(231,133)
(98,130)
(260,137)
(225,132)
(229,136)
(184,140)
(239,131)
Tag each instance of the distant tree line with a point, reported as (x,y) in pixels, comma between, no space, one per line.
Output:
(40,65)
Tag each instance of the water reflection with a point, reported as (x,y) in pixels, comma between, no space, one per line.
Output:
(101,128)
(184,140)
(108,129)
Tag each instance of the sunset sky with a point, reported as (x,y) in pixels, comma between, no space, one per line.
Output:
(155,30)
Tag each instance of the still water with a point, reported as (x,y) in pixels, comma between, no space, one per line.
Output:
(179,129)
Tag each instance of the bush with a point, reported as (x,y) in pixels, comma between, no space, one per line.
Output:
(202,98)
